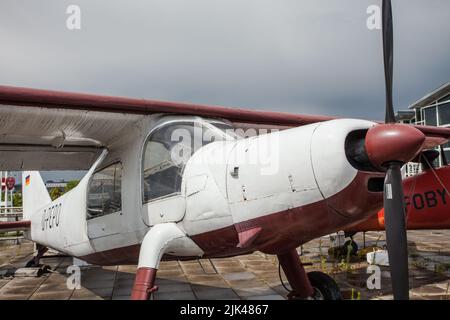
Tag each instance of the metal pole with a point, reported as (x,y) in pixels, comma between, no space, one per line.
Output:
(6,193)
(3,197)
(17,232)
(1,189)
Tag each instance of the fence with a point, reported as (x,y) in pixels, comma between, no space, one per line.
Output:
(11,214)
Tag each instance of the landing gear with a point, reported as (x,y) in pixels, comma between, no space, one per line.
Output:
(34,262)
(33,267)
(296,275)
(144,284)
(159,239)
(314,285)
(325,288)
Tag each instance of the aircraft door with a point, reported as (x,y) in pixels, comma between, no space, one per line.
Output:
(165,153)
(104,202)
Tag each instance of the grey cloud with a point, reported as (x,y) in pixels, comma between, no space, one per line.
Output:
(300,56)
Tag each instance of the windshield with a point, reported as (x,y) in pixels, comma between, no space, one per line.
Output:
(168,149)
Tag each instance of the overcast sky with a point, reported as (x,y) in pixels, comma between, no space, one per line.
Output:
(303,56)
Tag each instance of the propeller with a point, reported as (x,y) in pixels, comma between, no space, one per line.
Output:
(388,147)
(394,207)
(394,216)
(388,57)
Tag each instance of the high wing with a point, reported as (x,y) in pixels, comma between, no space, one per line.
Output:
(51,130)
(15,96)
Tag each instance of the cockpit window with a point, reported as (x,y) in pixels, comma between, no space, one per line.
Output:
(167,151)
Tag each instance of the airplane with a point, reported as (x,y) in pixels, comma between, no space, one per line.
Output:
(427,200)
(152,194)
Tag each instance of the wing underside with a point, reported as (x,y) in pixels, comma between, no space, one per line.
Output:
(39,138)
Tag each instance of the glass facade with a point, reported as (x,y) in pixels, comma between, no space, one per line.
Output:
(444,114)
(436,113)
(429,115)
(418,116)
(446,98)
(447,155)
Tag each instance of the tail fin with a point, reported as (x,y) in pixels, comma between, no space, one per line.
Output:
(34,193)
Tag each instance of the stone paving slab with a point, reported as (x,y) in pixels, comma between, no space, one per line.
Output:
(84,294)
(249,277)
(238,275)
(213,293)
(183,295)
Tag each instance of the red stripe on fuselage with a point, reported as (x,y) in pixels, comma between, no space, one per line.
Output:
(280,231)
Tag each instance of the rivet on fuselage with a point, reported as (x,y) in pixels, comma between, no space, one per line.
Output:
(291,182)
(243,193)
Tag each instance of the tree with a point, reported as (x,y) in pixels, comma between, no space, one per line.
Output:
(70,185)
(17,199)
(55,193)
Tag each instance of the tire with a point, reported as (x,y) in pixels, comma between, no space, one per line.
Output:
(354,245)
(325,288)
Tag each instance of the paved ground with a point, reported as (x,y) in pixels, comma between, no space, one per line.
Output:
(253,276)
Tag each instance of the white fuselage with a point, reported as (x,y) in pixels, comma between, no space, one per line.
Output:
(232,184)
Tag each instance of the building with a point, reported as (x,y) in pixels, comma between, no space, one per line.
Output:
(50,184)
(6,194)
(432,110)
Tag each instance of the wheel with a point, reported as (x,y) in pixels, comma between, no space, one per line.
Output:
(354,246)
(325,288)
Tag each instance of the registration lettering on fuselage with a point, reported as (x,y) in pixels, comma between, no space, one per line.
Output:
(51,217)
(427,199)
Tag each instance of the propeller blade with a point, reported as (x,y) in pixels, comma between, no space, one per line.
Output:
(394,215)
(388,55)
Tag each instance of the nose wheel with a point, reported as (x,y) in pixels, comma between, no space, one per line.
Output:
(312,285)
(324,286)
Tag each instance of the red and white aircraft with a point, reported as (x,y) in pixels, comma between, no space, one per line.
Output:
(139,203)
(427,201)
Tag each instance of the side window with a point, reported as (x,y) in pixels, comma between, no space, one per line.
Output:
(104,191)
(166,152)
(163,171)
